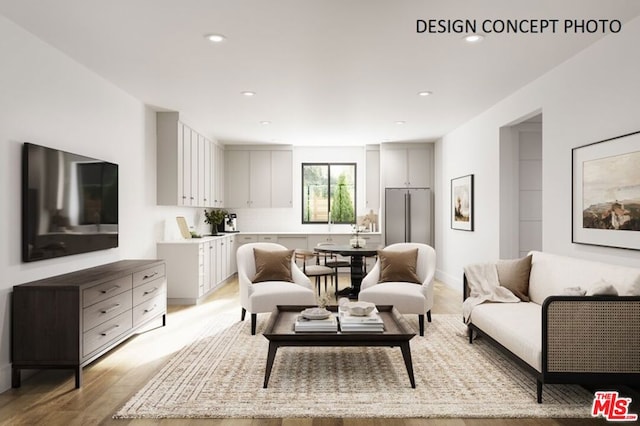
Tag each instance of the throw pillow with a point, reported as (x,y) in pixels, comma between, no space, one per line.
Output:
(574,291)
(603,289)
(272,265)
(398,266)
(514,275)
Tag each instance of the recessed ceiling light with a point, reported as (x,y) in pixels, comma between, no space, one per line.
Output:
(265,122)
(425,93)
(248,93)
(400,122)
(473,38)
(215,38)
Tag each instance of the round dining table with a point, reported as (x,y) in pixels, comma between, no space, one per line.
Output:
(357,255)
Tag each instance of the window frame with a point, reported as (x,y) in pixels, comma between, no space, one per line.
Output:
(329,194)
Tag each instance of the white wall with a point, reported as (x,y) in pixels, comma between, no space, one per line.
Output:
(48,99)
(590,97)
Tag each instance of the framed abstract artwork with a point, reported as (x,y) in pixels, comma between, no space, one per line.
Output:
(606,193)
(462,203)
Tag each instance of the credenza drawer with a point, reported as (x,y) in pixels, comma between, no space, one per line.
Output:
(149,309)
(148,274)
(105,290)
(149,290)
(98,313)
(106,333)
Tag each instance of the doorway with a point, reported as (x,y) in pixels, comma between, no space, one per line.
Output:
(521,187)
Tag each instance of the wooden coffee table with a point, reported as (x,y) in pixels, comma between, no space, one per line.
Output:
(279,332)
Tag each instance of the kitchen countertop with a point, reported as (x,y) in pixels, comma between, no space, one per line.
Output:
(206,238)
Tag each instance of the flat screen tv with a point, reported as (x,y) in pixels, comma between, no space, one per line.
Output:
(69,203)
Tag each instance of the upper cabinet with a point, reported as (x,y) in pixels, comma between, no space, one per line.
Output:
(407,165)
(258,177)
(217,176)
(372,178)
(185,163)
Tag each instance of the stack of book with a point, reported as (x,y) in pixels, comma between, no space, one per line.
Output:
(326,325)
(361,324)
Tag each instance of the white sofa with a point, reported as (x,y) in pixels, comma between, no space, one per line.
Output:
(569,339)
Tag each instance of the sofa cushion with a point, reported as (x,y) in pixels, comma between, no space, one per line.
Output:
(551,274)
(398,266)
(272,265)
(514,275)
(516,326)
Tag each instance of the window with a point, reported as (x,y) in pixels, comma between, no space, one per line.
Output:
(328,189)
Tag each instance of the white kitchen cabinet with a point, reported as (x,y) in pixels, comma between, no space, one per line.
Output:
(268,238)
(282,178)
(246,238)
(232,247)
(211,255)
(407,165)
(217,175)
(237,171)
(185,263)
(293,242)
(183,163)
(372,180)
(194,268)
(259,178)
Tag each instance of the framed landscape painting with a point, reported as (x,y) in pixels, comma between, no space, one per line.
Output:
(606,193)
(462,203)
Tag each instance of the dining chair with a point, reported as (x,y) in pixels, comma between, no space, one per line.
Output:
(314,270)
(332,261)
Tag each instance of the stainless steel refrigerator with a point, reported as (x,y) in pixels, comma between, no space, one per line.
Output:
(407,215)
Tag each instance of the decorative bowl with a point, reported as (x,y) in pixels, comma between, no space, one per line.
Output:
(315,313)
(360,309)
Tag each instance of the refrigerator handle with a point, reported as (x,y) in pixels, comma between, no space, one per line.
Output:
(407,217)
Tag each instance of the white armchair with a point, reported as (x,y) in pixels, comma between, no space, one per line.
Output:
(408,298)
(266,295)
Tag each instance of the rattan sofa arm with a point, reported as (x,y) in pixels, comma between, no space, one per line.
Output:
(591,334)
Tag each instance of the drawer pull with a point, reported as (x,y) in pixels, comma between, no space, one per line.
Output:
(146,277)
(110,330)
(110,289)
(150,309)
(150,291)
(114,307)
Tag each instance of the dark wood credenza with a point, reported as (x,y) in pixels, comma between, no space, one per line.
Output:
(69,320)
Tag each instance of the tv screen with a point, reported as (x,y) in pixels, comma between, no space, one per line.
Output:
(69,203)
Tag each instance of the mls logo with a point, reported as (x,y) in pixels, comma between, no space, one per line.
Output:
(612,407)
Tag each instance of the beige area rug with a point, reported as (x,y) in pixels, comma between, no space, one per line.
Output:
(221,375)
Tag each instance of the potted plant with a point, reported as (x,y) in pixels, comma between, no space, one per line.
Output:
(214,218)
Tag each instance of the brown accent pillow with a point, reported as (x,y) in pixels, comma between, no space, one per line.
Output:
(272,265)
(513,274)
(398,266)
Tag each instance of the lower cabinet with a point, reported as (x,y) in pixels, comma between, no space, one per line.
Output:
(69,320)
(196,267)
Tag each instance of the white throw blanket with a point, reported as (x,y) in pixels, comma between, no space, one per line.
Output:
(484,287)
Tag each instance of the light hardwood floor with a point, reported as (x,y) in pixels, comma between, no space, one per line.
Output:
(49,397)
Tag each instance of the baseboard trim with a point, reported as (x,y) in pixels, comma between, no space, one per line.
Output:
(5,377)
(449,280)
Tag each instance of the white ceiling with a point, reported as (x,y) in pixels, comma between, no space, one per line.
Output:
(326,72)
